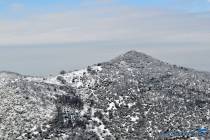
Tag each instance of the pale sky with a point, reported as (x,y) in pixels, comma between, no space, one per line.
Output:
(33,22)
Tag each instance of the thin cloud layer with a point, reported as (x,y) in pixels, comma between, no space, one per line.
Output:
(114,23)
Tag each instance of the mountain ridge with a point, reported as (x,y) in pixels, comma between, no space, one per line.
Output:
(133,96)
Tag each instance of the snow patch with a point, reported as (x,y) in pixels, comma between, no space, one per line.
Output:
(131,104)
(133,118)
(85,110)
(111,106)
(96,68)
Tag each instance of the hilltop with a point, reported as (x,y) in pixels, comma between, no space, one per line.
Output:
(133,96)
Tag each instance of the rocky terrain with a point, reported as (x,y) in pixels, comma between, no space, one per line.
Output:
(131,97)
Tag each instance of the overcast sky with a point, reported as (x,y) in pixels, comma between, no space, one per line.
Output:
(32,30)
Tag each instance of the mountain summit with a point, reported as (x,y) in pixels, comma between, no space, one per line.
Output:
(133,96)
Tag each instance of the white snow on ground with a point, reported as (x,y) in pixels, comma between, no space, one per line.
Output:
(111,106)
(85,110)
(146,112)
(101,132)
(37,79)
(6,78)
(100,129)
(15,110)
(78,79)
(194,138)
(120,101)
(49,80)
(81,79)
(131,104)
(129,69)
(97,68)
(76,75)
(208,114)
(133,118)
(52,80)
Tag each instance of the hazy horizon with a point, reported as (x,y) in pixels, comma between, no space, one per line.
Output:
(51,59)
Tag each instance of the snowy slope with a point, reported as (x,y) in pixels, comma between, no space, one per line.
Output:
(133,96)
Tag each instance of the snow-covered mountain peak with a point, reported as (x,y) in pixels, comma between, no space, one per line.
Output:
(133,96)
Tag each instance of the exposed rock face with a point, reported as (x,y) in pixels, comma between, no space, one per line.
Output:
(133,96)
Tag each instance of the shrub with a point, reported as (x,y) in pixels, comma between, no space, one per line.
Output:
(63,72)
(67,89)
(61,79)
(89,69)
(98,114)
(73,101)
